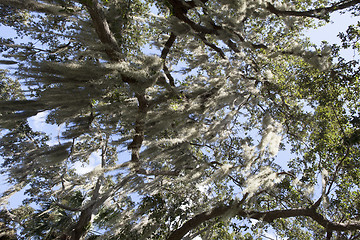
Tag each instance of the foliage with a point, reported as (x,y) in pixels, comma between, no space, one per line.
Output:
(187,108)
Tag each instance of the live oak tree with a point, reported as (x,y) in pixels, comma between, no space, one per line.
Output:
(202,94)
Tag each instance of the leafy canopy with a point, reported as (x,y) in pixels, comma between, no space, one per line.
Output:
(186,107)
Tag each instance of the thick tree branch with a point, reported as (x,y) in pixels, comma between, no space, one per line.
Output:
(213,46)
(37,6)
(314,13)
(180,9)
(164,54)
(138,139)
(168,45)
(233,46)
(268,216)
(197,220)
(102,29)
(203,217)
(168,75)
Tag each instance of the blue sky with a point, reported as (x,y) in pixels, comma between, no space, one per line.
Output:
(330,31)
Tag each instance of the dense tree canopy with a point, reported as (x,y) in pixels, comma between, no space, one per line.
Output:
(186,105)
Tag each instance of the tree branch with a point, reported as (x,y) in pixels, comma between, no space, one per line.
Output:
(157,173)
(213,46)
(112,50)
(168,45)
(138,138)
(79,229)
(164,54)
(268,216)
(102,29)
(72,209)
(335,174)
(37,6)
(180,9)
(197,220)
(314,13)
